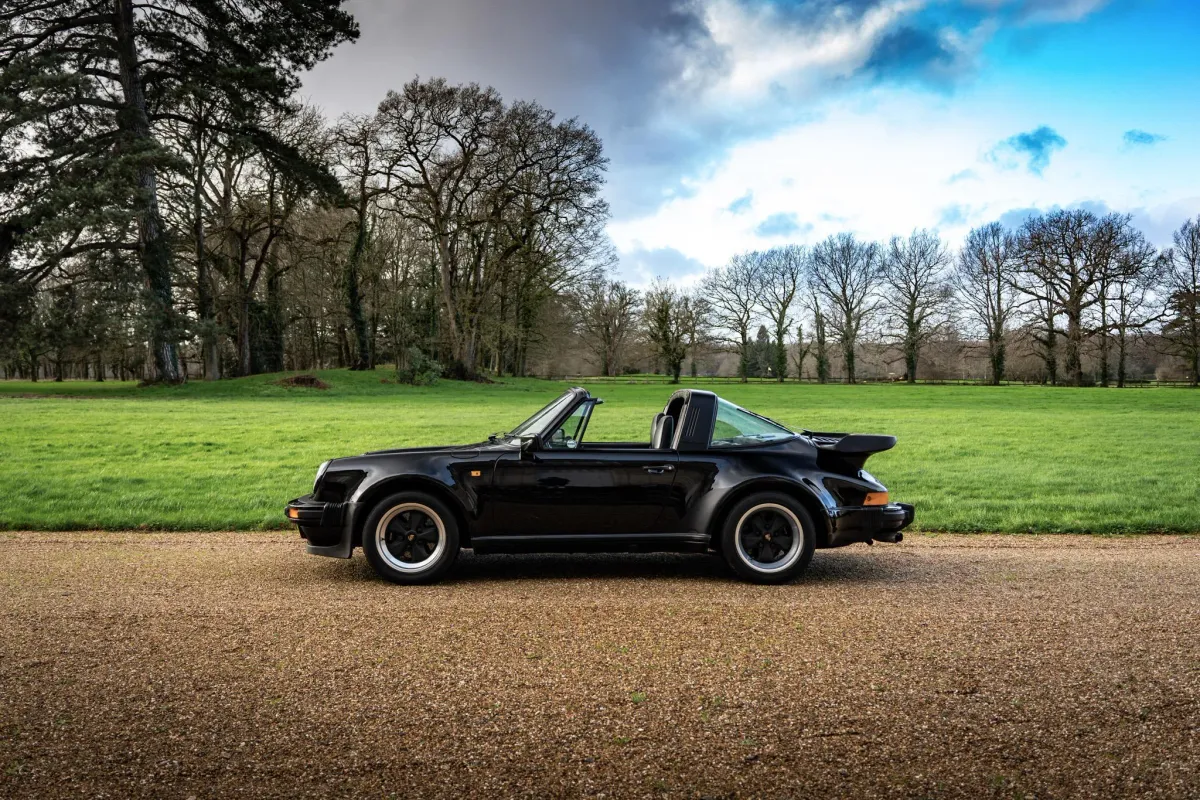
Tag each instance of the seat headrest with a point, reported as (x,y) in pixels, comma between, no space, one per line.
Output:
(662,432)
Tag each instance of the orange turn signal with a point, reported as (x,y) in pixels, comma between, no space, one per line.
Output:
(293,513)
(876,499)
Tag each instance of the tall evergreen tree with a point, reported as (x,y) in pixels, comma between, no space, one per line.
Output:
(85,83)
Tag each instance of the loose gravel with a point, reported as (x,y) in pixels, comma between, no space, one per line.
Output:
(234,665)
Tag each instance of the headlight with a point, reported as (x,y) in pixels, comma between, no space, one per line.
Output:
(320,474)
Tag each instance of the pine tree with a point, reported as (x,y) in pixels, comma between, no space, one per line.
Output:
(84,84)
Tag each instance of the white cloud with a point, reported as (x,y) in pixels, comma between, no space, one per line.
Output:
(763,47)
(889,162)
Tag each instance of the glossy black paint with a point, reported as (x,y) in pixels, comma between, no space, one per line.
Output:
(513,495)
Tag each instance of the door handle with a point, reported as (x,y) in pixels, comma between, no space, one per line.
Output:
(659,470)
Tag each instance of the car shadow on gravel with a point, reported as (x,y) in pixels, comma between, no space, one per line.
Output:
(828,567)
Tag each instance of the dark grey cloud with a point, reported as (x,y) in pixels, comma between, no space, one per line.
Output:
(612,64)
(1137,138)
(587,59)
(637,71)
(1036,146)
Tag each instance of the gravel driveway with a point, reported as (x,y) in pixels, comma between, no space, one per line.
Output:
(205,665)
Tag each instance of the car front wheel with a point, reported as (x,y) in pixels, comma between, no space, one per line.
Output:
(410,537)
(768,538)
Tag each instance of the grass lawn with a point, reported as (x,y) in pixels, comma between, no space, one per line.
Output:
(228,455)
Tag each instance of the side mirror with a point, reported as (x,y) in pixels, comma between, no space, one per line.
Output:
(529,446)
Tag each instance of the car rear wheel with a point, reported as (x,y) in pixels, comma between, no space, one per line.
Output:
(768,538)
(410,537)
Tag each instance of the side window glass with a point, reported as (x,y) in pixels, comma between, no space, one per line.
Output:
(736,427)
(569,434)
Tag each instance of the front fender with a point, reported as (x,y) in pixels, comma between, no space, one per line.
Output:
(454,478)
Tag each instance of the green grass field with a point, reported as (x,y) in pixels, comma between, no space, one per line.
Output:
(228,455)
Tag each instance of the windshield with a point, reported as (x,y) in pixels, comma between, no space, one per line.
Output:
(737,426)
(536,425)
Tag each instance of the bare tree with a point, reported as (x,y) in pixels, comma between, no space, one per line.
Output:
(984,278)
(844,273)
(608,313)
(1181,333)
(800,351)
(488,182)
(362,164)
(733,294)
(1066,258)
(782,279)
(820,337)
(699,334)
(1126,307)
(918,296)
(669,317)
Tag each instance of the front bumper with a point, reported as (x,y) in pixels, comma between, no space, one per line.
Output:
(327,527)
(870,523)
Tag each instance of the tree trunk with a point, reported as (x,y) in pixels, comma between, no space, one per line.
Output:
(361,357)
(243,331)
(822,354)
(1074,362)
(996,355)
(154,250)
(273,354)
(910,358)
(1104,339)
(1051,356)
(1120,358)
(781,359)
(743,359)
(205,307)
(848,354)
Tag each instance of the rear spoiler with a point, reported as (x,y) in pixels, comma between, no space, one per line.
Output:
(846,453)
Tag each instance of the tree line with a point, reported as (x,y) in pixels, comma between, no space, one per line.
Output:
(168,209)
(166,206)
(1068,285)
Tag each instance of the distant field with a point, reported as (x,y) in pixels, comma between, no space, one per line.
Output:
(228,455)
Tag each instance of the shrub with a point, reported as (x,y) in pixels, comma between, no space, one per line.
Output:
(421,370)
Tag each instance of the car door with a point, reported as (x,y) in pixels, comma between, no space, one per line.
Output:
(581,492)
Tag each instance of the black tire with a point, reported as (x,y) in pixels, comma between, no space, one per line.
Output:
(410,537)
(772,550)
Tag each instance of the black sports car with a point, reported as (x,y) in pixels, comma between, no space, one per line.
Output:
(713,477)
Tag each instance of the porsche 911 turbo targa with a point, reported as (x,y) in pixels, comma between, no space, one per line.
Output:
(713,477)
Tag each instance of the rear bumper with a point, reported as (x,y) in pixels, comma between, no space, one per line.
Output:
(327,527)
(870,523)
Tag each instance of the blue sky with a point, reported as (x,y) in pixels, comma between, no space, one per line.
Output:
(740,124)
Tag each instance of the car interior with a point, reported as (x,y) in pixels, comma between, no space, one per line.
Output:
(570,434)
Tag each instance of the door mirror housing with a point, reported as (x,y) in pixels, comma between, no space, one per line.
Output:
(529,446)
